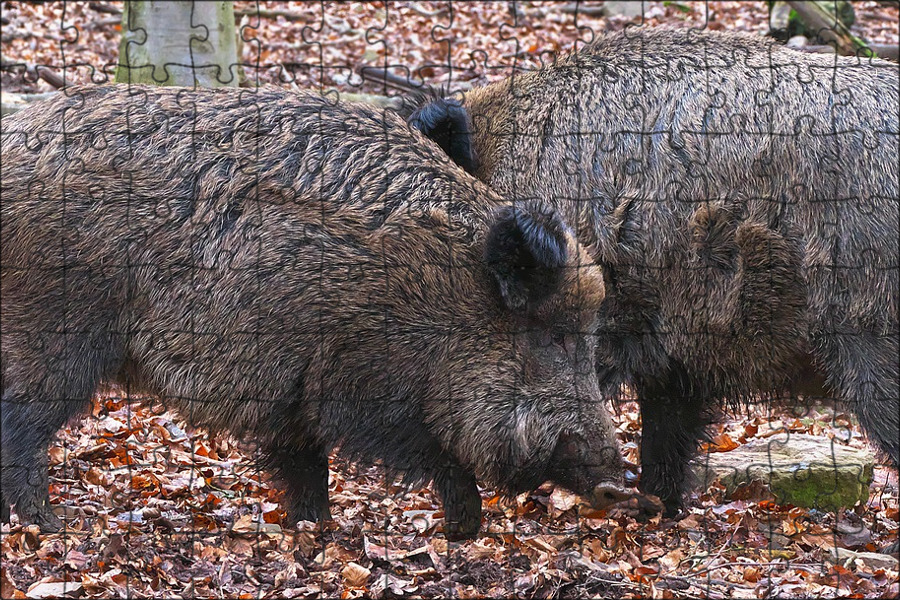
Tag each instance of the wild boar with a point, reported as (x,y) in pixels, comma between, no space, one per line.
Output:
(742,200)
(301,273)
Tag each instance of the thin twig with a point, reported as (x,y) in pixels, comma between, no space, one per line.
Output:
(102,7)
(264,13)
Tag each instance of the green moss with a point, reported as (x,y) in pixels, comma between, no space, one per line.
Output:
(826,487)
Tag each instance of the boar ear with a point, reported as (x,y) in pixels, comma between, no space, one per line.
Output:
(526,250)
(446,121)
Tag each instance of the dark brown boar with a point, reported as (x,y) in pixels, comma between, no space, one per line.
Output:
(742,199)
(300,273)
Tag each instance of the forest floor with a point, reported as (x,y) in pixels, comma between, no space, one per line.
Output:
(156,509)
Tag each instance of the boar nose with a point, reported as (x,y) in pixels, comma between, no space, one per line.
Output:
(606,494)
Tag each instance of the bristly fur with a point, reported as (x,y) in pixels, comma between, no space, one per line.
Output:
(304,274)
(445,121)
(526,250)
(746,220)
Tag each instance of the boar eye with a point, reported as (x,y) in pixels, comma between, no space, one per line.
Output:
(549,339)
(559,339)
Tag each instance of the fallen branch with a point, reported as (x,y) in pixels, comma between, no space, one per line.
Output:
(391,80)
(104,23)
(35,72)
(829,27)
(886,51)
(425,12)
(47,75)
(102,7)
(581,9)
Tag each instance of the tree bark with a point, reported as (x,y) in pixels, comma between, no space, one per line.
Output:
(178,43)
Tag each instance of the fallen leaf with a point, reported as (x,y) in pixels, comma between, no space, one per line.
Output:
(7,588)
(561,500)
(54,589)
(355,575)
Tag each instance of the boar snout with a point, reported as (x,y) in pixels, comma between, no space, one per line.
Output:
(607,494)
(640,506)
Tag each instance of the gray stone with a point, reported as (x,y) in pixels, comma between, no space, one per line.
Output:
(623,9)
(803,470)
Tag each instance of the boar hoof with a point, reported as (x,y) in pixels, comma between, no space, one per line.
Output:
(303,511)
(462,504)
(462,521)
(30,511)
(640,506)
(461,529)
(648,506)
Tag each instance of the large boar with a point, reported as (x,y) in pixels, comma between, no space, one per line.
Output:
(301,273)
(742,199)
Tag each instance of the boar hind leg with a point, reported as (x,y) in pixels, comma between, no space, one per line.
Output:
(462,503)
(304,474)
(675,418)
(863,368)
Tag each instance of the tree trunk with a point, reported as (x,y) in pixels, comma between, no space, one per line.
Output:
(178,43)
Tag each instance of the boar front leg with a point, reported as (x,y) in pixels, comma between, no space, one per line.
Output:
(304,473)
(675,418)
(462,503)
(47,379)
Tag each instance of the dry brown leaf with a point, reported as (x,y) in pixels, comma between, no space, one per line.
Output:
(54,589)
(541,543)
(598,551)
(57,455)
(672,560)
(561,500)
(355,574)
(479,549)
(7,588)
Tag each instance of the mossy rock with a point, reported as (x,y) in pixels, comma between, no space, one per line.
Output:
(803,470)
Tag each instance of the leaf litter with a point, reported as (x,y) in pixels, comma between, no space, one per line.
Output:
(154,509)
